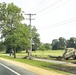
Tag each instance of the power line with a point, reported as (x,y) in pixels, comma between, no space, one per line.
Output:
(49,6)
(38,6)
(58,24)
(35,6)
(48,11)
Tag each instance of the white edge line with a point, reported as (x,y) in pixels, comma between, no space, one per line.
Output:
(9,69)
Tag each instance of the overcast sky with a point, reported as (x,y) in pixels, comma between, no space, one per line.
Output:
(53,19)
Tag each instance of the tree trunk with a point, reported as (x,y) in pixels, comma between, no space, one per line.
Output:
(29,54)
(10,52)
(14,53)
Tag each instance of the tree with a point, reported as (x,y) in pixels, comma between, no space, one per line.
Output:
(55,44)
(72,42)
(42,46)
(47,46)
(62,43)
(35,39)
(59,43)
(10,19)
(2,47)
(19,38)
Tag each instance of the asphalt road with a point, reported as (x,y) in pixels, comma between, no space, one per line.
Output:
(10,69)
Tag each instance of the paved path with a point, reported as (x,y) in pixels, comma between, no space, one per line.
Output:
(52,61)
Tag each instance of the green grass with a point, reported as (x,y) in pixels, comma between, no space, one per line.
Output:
(71,60)
(45,53)
(51,52)
(45,65)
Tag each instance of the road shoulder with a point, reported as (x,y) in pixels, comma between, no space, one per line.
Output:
(34,69)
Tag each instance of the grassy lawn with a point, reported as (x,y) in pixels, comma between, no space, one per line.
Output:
(45,53)
(49,52)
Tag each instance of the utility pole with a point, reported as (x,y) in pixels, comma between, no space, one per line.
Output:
(30,19)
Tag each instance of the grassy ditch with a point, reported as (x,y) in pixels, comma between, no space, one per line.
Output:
(46,65)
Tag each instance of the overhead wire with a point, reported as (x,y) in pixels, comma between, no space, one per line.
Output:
(39,1)
(58,24)
(49,6)
(38,6)
(48,11)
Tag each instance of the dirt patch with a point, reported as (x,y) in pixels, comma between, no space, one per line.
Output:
(32,68)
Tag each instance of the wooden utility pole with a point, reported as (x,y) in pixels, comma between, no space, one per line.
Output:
(30,52)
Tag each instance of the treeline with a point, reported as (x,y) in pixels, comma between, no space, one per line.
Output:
(59,44)
(62,43)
